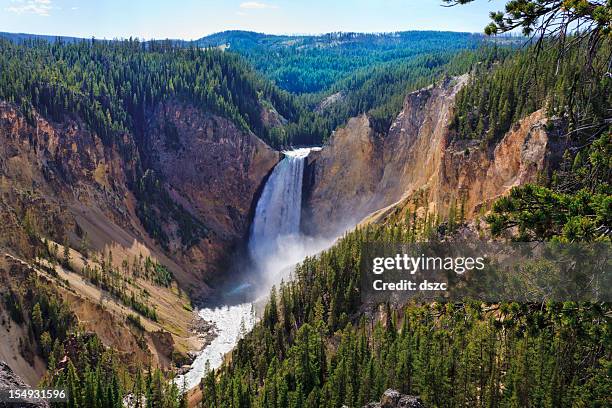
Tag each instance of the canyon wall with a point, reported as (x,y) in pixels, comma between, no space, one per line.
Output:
(359,172)
(179,193)
(214,171)
(198,170)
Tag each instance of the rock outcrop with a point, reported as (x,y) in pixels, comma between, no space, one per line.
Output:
(342,179)
(393,399)
(359,172)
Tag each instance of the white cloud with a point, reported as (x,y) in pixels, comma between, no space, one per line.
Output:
(38,7)
(256,5)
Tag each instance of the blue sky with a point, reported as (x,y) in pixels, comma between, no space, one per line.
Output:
(191,19)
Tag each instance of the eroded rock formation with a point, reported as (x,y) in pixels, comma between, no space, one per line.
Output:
(393,399)
(65,180)
(359,172)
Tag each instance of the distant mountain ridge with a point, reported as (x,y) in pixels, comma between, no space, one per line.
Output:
(242,38)
(20,37)
(314,63)
(213,39)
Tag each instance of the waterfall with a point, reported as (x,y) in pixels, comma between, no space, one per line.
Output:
(275,245)
(277,216)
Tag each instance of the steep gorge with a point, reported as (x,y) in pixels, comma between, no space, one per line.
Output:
(60,182)
(75,187)
(203,174)
(360,173)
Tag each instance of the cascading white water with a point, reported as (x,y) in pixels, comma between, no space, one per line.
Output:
(229,323)
(277,216)
(275,244)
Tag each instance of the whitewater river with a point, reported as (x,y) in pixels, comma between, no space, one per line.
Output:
(229,321)
(275,246)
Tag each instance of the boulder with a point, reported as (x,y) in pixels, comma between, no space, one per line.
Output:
(394,399)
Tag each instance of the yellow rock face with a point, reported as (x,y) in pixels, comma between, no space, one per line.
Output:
(359,172)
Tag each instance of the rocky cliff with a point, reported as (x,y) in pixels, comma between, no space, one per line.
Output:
(359,172)
(393,399)
(213,170)
(341,180)
(179,195)
(190,172)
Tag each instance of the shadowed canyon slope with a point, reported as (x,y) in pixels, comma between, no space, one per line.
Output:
(359,172)
(60,182)
(206,170)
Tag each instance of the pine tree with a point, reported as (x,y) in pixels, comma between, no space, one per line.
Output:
(37,319)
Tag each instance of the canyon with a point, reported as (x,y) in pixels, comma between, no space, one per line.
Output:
(61,182)
(211,175)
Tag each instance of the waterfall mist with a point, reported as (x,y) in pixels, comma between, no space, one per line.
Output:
(276,243)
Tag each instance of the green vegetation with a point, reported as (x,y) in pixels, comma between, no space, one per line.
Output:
(112,85)
(96,377)
(311,64)
(575,203)
(119,282)
(500,95)
(47,318)
(135,321)
(380,92)
(315,336)
(569,77)
(552,18)
(539,212)
(372,73)
(156,208)
(575,206)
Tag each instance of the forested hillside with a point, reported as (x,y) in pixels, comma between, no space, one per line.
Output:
(77,360)
(310,64)
(316,347)
(113,85)
(377,91)
(358,73)
(575,204)
(500,95)
(380,91)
